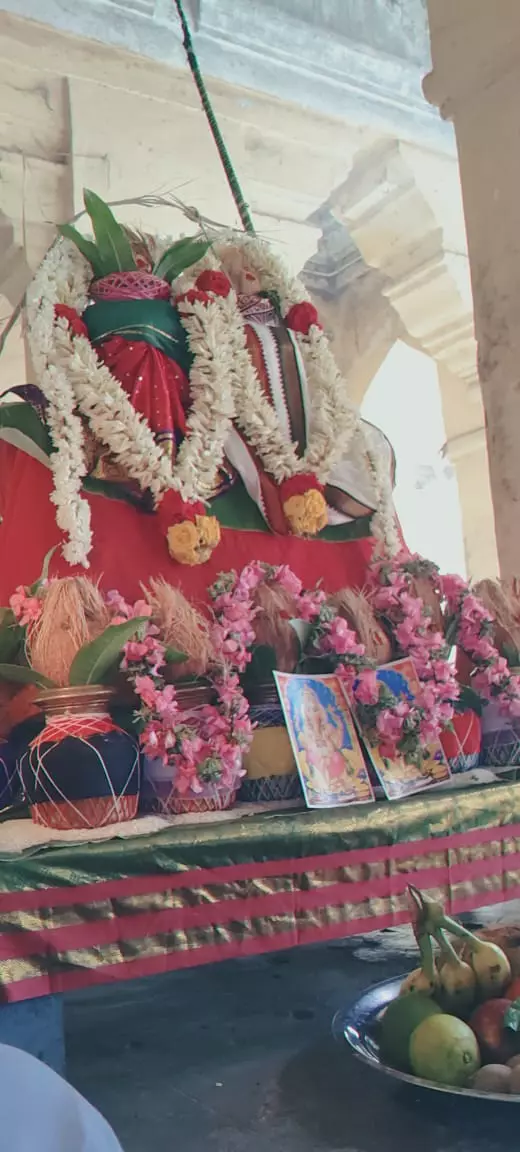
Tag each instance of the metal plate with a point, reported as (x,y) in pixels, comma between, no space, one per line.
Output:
(358,1026)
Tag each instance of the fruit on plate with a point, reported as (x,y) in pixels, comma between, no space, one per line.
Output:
(483,970)
(400,1020)
(457,989)
(512,991)
(493,1078)
(507,937)
(497,1042)
(445,1050)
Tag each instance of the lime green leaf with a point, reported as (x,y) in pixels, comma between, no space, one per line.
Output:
(86,247)
(34,588)
(113,246)
(95,661)
(172,656)
(17,674)
(180,256)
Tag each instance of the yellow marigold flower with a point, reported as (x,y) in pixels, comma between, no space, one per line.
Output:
(307,514)
(192,542)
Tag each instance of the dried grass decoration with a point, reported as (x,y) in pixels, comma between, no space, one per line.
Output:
(182,628)
(73,614)
(501,599)
(272,627)
(356,609)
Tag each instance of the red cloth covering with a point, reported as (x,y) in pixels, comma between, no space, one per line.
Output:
(156,385)
(129,546)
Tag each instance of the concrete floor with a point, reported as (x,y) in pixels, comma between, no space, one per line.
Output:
(239,1057)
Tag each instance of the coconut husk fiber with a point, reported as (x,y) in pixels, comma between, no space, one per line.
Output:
(181,627)
(272,627)
(501,603)
(73,614)
(426,591)
(356,609)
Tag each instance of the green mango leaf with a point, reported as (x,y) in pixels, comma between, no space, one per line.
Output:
(34,588)
(469,701)
(180,256)
(303,631)
(511,654)
(113,246)
(174,657)
(261,666)
(17,674)
(86,247)
(512,1016)
(12,638)
(97,660)
(451,629)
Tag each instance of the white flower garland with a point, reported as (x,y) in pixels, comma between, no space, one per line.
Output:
(224,386)
(334,421)
(73,379)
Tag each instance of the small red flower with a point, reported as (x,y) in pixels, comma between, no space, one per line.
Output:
(192,296)
(216,282)
(74,321)
(301,317)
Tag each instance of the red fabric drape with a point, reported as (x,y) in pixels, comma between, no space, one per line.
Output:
(129,546)
(156,385)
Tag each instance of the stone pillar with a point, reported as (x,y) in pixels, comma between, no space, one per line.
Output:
(466,450)
(358,318)
(476,83)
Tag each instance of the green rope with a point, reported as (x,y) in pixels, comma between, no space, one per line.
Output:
(231,176)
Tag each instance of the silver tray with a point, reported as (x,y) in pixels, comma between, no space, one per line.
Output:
(358,1026)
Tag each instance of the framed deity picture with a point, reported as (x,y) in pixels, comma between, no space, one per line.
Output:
(325,743)
(397,778)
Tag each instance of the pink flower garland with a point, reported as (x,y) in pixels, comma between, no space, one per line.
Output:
(472,628)
(392,594)
(201,750)
(398,727)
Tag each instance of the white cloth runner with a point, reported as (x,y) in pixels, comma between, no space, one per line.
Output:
(23,836)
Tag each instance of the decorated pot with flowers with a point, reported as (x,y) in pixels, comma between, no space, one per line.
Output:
(254,611)
(81,770)
(190,712)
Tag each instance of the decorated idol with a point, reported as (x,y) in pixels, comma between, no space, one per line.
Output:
(186,398)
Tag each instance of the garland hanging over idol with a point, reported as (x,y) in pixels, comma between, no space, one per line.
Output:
(213,510)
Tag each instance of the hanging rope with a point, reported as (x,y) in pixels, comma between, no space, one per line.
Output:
(231,176)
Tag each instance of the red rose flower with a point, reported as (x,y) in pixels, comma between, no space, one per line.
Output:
(192,296)
(74,321)
(216,282)
(301,317)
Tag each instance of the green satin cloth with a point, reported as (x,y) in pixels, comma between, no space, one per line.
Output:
(280,836)
(153,321)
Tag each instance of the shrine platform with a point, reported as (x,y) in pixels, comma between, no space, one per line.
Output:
(73,917)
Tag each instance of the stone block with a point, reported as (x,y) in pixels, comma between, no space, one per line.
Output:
(33,113)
